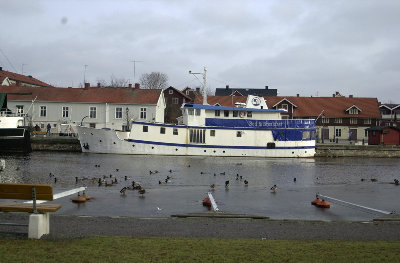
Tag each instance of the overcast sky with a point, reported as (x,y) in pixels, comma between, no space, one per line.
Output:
(310,47)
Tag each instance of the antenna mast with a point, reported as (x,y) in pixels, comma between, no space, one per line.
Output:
(204,84)
(134,69)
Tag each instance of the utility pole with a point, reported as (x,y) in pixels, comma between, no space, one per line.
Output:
(134,69)
(204,84)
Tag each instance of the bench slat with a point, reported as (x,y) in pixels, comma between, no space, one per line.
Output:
(24,191)
(23,207)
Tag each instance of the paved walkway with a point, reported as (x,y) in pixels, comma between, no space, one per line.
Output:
(70,227)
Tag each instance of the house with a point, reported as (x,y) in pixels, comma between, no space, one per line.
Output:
(385,135)
(245,92)
(173,101)
(8,78)
(390,114)
(96,107)
(338,118)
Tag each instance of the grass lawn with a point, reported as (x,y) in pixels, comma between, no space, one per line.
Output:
(126,249)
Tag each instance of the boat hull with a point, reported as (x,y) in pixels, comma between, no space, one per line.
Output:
(111,141)
(15,140)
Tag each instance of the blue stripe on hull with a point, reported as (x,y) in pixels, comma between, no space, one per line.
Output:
(216,146)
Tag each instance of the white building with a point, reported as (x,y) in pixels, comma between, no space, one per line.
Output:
(92,106)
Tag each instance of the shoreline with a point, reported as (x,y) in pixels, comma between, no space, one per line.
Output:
(64,227)
(329,150)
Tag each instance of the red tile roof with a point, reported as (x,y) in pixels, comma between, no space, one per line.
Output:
(179,92)
(310,106)
(94,95)
(22,78)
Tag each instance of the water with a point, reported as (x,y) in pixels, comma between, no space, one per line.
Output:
(192,176)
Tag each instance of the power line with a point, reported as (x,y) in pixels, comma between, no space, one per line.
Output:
(9,62)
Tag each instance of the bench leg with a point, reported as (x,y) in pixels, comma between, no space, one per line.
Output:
(39,224)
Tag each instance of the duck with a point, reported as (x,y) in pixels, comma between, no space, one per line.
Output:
(142,191)
(123,190)
(212,186)
(246,182)
(274,188)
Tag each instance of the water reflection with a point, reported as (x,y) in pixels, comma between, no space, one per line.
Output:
(191,177)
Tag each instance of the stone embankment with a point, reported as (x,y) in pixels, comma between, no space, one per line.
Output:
(71,144)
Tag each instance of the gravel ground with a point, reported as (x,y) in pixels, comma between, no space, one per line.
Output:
(71,227)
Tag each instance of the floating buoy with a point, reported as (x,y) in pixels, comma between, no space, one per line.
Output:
(324,204)
(79,199)
(206,202)
(316,201)
(84,195)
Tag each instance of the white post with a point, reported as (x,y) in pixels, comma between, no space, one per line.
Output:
(205,86)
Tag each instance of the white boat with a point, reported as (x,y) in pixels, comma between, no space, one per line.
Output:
(13,136)
(246,130)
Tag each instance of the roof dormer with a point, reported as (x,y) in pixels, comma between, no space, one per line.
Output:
(353,110)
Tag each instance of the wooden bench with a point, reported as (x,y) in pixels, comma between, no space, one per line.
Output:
(39,220)
(39,132)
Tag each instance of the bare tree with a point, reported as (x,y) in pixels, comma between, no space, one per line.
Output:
(154,80)
(114,82)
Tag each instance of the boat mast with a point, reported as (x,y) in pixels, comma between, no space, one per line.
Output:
(204,84)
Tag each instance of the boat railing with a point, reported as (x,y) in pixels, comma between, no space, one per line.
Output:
(11,114)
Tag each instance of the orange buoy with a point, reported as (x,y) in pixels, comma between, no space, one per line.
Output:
(79,199)
(316,201)
(207,202)
(324,204)
(84,195)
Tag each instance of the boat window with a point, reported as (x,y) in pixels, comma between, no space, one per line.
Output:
(226,113)
(145,128)
(249,114)
(235,113)
(197,112)
(190,111)
(238,134)
(175,131)
(197,135)
(217,113)
(271,145)
(212,133)
(162,130)
(306,135)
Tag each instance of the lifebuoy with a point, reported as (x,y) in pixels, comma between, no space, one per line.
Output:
(242,114)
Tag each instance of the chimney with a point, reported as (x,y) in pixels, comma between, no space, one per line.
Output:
(333,95)
(87,85)
(98,85)
(130,85)
(137,86)
(29,76)
(350,96)
(227,87)
(266,87)
(298,95)
(70,87)
(1,68)
(198,89)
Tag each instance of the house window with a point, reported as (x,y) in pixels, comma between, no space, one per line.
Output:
(92,112)
(235,113)
(353,111)
(197,112)
(190,111)
(118,113)
(143,114)
(338,132)
(170,91)
(226,113)
(353,120)
(217,113)
(365,133)
(338,120)
(20,110)
(43,111)
(325,119)
(249,114)
(162,130)
(197,135)
(42,126)
(284,107)
(92,125)
(367,121)
(238,134)
(145,128)
(212,133)
(374,133)
(175,100)
(65,111)
(175,131)
(187,92)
